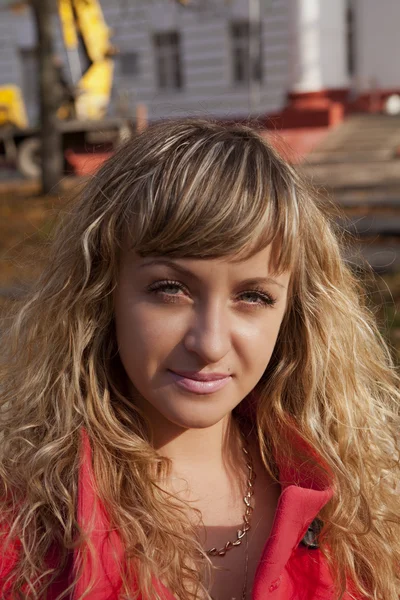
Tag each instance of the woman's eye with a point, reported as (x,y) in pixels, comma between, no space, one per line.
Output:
(174,291)
(169,289)
(257,298)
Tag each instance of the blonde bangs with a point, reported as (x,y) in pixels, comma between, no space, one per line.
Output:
(222,194)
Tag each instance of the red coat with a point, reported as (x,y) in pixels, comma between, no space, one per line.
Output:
(288,569)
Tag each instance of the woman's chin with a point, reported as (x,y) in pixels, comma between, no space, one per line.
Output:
(200,418)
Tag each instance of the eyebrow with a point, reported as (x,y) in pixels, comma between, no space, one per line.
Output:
(180,269)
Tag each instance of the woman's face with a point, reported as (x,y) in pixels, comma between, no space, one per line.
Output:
(195,336)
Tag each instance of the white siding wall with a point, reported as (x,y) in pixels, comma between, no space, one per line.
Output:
(377,44)
(207,69)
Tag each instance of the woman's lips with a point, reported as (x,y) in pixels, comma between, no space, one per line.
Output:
(200,383)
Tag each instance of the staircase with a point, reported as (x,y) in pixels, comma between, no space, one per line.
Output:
(362,138)
(358,166)
(363,153)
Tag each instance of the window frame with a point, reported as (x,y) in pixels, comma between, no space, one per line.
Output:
(239,33)
(168,60)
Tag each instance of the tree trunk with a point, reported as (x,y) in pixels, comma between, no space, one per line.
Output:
(49,97)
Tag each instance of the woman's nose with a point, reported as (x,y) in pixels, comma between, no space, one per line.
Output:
(209,335)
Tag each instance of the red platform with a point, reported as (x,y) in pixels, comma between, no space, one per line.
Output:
(86,164)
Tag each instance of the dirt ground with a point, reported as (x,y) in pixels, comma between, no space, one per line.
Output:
(27,222)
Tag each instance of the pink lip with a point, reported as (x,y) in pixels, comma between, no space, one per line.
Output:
(200,383)
(198,376)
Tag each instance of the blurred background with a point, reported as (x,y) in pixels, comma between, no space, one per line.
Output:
(319,78)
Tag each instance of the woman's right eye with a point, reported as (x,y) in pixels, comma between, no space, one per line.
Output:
(166,288)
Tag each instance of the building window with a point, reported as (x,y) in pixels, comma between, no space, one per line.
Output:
(168,60)
(246,51)
(128,63)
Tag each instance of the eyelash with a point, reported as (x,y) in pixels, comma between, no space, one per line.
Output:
(264,299)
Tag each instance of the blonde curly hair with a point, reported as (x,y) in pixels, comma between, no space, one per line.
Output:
(194,189)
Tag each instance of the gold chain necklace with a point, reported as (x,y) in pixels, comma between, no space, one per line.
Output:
(243,532)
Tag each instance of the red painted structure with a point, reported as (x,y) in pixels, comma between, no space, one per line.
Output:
(327,108)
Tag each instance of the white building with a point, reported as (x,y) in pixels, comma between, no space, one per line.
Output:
(229,58)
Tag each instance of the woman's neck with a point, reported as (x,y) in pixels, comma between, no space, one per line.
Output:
(200,458)
(196,447)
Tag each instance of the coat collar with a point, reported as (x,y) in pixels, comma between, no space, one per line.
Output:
(304,492)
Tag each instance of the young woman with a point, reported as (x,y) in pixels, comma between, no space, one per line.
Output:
(195,401)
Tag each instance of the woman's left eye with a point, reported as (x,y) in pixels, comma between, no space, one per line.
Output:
(257,298)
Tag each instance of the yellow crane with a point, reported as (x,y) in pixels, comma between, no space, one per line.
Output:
(87,87)
(84,19)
